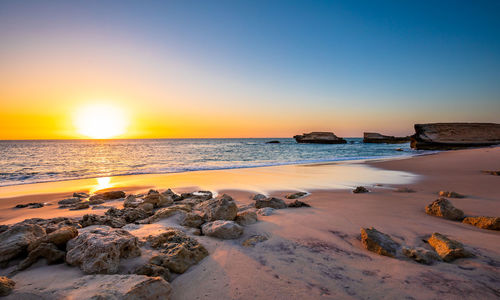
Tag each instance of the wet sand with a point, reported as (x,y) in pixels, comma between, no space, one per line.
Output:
(316,253)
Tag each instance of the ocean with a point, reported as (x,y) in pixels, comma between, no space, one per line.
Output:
(54,160)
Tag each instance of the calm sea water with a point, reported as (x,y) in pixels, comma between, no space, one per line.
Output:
(41,161)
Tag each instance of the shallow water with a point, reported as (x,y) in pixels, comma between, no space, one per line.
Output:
(51,160)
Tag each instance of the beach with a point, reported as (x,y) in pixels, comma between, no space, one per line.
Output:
(310,252)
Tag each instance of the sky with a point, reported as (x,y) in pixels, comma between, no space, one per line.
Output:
(189,69)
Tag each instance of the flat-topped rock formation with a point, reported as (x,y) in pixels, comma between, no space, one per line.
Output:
(377,138)
(446,136)
(319,138)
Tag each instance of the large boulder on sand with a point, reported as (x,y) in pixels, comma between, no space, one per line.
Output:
(15,240)
(98,249)
(225,230)
(319,138)
(446,248)
(443,208)
(220,208)
(379,242)
(445,136)
(178,251)
(492,223)
(6,286)
(271,202)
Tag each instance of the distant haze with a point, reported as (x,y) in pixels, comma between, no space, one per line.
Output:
(247,68)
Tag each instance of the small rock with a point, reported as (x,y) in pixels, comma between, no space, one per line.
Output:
(81,205)
(495,173)
(69,201)
(491,223)
(225,230)
(107,196)
(398,149)
(153,271)
(178,251)
(246,217)
(266,211)
(92,219)
(48,251)
(81,195)
(254,240)
(98,249)
(273,142)
(447,249)
(6,286)
(421,255)
(296,195)
(129,215)
(443,208)
(379,242)
(171,194)
(158,200)
(192,220)
(58,237)
(96,201)
(147,207)
(298,203)
(259,197)
(404,190)
(360,189)
(270,202)
(166,212)
(220,208)
(450,194)
(30,205)
(15,240)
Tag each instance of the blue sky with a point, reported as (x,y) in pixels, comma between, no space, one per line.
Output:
(388,63)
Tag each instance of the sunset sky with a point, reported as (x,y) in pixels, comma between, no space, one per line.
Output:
(247,68)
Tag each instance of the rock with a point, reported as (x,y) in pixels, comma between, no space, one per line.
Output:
(220,208)
(398,149)
(192,220)
(53,224)
(360,189)
(30,205)
(104,207)
(246,217)
(91,219)
(147,207)
(225,230)
(296,195)
(48,251)
(266,211)
(132,201)
(421,255)
(495,173)
(404,190)
(319,138)
(171,194)
(450,194)
(81,205)
(492,223)
(4,228)
(259,197)
(153,271)
(6,286)
(81,195)
(107,196)
(379,242)
(446,136)
(377,138)
(178,251)
(95,201)
(59,238)
(158,200)
(298,203)
(447,249)
(98,249)
(443,208)
(129,215)
(254,240)
(73,200)
(270,202)
(166,212)
(273,142)
(15,240)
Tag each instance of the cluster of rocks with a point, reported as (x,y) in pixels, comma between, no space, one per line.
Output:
(443,208)
(443,248)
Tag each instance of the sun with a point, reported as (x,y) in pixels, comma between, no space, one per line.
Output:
(100,121)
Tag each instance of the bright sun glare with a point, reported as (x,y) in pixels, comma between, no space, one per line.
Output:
(100,121)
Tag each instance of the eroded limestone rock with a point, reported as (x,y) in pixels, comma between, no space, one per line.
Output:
(446,248)
(270,202)
(492,223)
(443,208)
(15,240)
(225,230)
(379,242)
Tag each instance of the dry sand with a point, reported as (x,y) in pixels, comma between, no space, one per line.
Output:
(315,253)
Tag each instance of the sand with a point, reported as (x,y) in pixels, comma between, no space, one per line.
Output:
(315,253)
